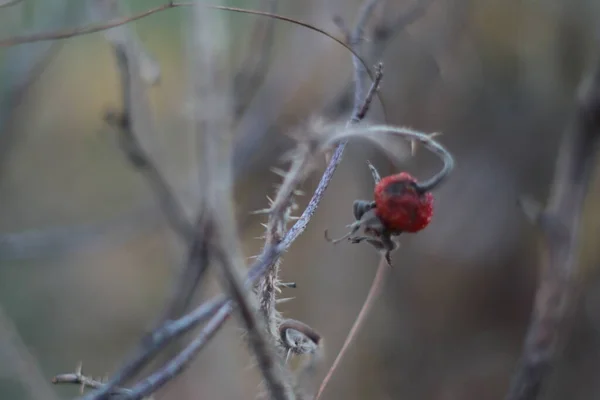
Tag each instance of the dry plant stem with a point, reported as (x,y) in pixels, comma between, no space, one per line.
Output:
(192,235)
(83,381)
(355,38)
(197,260)
(219,309)
(372,296)
(138,157)
(382,34)
(283,199)
(214,130)
(9,3)
(84,30)
(176,365)
(559,223)
(58,35)
(273,371)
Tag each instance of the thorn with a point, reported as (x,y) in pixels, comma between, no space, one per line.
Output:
(261,211)
(294,218)
(414,143)
(270,200)
(79,368)
(254,257)
(328,155)
(374,172)
(278,171)
(291,285)
(284,300)
(298,192)
(264,225)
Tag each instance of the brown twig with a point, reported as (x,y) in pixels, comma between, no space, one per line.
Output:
(559,223)
(372,296)
(85,30)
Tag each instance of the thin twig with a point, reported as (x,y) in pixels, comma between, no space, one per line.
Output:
(264,262)
(382,33)
(176,365)
(194,235)
(372,296)
(136,154)
(84,382)
(9,3)
(560,223)
(84,30)
(219,309)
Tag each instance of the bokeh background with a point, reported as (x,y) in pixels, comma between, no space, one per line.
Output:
(87,259)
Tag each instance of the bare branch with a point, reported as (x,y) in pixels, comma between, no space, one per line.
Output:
(175,366)
(84,30)
(136,154)
(9,3)
(382,33)
(560,223)
(77,378)
(215,133)
(194,235)
(219,308)
(66,34)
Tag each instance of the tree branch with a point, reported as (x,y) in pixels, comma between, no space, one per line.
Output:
(559,223)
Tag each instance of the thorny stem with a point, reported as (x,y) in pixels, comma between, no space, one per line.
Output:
(215,137)
(412,135)
(219,309)
(372,296)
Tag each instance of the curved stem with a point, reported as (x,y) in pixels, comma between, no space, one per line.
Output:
(374,292)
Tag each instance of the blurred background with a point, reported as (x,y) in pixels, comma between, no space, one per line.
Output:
(87,258)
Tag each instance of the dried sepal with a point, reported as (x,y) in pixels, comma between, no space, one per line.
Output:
(298,338)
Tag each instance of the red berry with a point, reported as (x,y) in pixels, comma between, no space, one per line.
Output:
(399,205)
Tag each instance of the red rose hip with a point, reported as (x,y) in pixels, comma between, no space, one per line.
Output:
(400,205)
